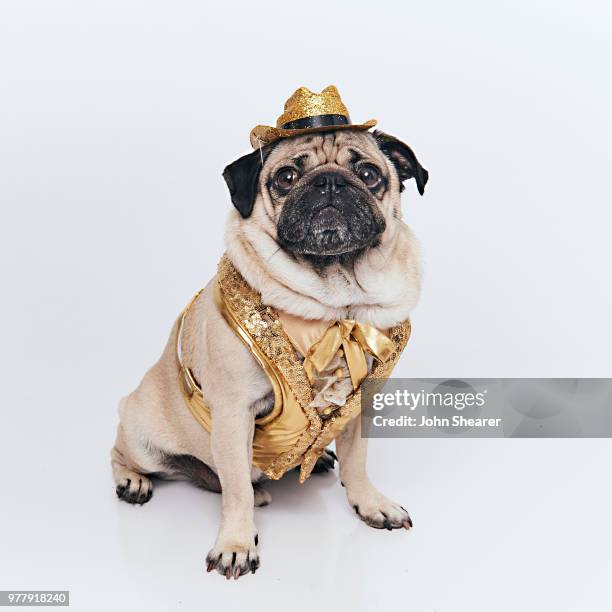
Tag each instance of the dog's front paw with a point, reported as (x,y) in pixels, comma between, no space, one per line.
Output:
(233,558)
(377,511)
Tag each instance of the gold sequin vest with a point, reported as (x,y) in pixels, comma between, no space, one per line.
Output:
(293,433)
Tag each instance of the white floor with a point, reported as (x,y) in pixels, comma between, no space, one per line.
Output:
(500,525)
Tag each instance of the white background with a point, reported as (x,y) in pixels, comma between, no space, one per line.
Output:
(116,120)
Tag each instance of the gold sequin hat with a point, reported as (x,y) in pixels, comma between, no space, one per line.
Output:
(307,111)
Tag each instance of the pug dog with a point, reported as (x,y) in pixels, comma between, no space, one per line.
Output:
(317,230)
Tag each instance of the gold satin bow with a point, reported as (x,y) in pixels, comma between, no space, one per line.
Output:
(355,339)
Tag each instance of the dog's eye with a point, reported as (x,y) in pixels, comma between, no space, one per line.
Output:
(286,178)
(369,175)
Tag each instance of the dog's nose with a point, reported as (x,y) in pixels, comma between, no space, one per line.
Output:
(329,182)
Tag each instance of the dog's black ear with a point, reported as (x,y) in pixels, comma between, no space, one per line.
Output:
(242,178)
(404,160)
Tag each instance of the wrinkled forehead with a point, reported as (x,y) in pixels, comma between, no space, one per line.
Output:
(343,148)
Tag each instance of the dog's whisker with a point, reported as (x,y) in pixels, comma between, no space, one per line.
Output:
(273,254)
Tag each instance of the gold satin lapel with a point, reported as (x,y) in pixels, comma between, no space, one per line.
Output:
(281,441)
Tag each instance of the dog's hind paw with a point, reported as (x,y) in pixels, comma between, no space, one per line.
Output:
(134,488)
(261,496)
(325,462)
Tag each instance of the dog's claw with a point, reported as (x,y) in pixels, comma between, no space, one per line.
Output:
(136,490)
(234,567)
(387,515)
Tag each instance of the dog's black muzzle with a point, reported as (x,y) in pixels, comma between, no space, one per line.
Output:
(329,215)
